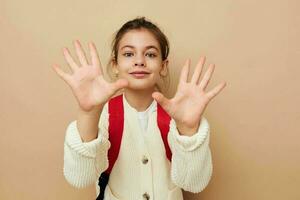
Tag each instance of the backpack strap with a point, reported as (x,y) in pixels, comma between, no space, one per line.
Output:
(163,121)
(115,128)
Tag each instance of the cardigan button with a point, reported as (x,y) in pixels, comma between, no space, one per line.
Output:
(146,196)
(145,160)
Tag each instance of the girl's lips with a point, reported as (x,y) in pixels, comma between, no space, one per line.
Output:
(140,72)
(139,75)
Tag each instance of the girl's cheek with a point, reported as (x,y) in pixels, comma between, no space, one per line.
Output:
(125,64)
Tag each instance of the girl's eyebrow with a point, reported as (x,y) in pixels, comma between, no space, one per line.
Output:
(147,47)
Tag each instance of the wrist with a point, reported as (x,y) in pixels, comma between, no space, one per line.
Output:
(187,130)
(96,110)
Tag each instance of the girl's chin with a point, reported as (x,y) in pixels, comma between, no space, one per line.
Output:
(140,85)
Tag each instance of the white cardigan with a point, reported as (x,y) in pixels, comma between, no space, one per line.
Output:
(131,179)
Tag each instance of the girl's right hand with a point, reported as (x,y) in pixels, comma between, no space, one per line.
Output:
(87,81)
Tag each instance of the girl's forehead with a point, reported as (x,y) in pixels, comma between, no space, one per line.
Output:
(138,39)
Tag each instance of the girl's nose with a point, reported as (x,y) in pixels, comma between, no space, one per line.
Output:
(139,64)
(139,61)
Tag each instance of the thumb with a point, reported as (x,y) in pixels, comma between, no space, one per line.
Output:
(161,99)
(119,84)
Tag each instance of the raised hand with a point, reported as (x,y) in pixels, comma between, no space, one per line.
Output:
(190,100)
(87,82)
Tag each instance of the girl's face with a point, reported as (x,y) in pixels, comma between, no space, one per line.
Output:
(139,59)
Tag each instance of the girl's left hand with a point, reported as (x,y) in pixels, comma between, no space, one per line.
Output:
(190,100)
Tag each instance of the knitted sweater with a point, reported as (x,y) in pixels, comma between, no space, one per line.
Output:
(131,178)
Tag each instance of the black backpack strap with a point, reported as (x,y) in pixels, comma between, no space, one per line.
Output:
(103,181)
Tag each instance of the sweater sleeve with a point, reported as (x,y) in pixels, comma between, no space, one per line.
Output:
(191,166)
(85,161)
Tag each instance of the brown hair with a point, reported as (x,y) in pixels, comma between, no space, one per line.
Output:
(140,23)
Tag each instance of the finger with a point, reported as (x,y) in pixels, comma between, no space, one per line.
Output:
(80,53)
(95,56)
(211,94)
(203,84)
(185,71)
(161,99)
(69,59)
(66,77)
(198,70)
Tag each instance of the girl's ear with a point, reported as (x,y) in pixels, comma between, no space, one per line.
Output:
(164,69)
(114,65)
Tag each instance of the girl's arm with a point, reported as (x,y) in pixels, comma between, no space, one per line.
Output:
(87,123)
(86,145)
(191,166)
(85,161)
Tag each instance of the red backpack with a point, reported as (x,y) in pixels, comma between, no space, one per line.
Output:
(116,125)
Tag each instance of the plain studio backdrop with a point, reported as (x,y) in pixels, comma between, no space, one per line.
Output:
(254,121)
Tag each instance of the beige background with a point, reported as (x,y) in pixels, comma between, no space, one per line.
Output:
(254,122)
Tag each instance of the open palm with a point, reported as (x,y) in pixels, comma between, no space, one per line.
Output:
(190,100)
(87,82)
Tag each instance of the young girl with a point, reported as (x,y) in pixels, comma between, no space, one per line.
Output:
(142,170)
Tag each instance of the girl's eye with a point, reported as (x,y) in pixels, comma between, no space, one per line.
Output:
(127,54)
(151,55)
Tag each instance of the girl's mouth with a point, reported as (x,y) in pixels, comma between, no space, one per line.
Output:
(139,75)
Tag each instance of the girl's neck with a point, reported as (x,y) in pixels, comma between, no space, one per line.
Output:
(139,99)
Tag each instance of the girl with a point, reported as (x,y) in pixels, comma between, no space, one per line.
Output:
(141,169)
